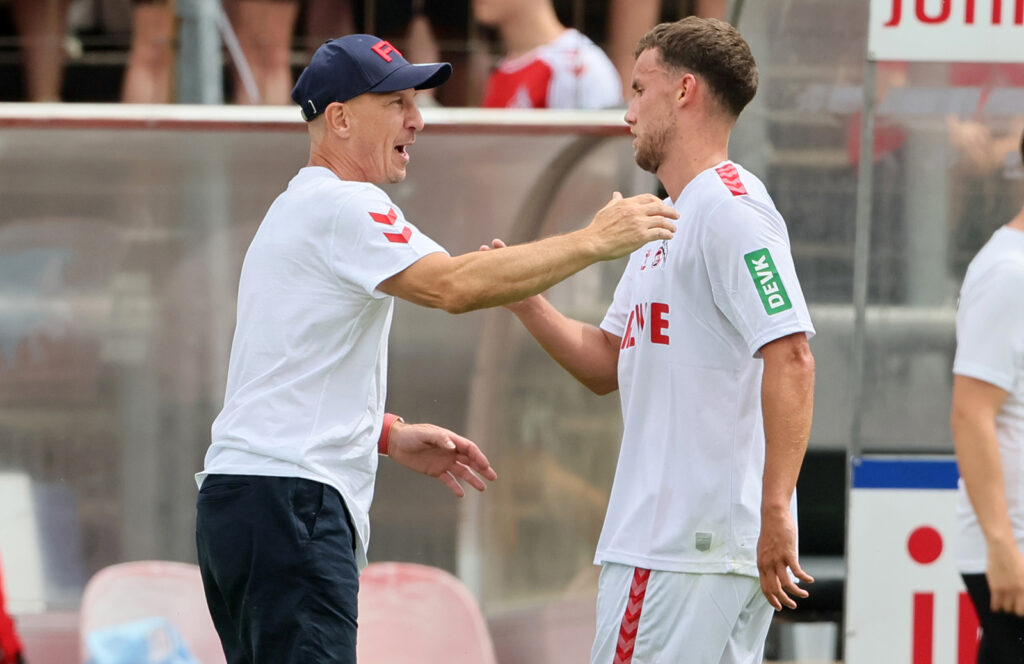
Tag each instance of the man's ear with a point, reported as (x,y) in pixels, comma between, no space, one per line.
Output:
(338,118)
(687,89)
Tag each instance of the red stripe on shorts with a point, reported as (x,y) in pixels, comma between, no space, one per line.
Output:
(731,179)
(631,618)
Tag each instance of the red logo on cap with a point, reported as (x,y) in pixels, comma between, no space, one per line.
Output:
(383,49)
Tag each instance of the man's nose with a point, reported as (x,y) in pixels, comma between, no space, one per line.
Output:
(415,120)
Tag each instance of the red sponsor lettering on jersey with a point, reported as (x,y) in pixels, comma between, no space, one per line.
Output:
(731,179)
(526,87)
(654,312)
(389,219)
(658,323)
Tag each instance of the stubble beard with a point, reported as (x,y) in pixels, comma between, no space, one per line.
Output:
(650,153)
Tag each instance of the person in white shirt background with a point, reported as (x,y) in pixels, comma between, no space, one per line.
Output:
(706,341)
(987,422)
(282,522)
(545,64)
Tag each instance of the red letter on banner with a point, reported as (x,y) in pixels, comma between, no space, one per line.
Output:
(967,648)
(897,11)
(947,6)
(924,617)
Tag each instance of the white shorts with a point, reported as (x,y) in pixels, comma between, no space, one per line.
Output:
(657,617)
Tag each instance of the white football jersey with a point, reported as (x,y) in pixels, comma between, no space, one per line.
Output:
(693,313)
(306,378)
(990,347)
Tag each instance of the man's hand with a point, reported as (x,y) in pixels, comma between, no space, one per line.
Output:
(776,557)
(440,453)
(626,224)
(1005,574)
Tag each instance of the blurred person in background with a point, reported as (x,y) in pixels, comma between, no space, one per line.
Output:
(986,153)
(629,20)
(706,340)
(421,29)
(265,30)
(987,422)
(42,28)
(148,74)
(282,522)
(545,64)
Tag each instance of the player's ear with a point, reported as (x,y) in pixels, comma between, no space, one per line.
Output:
(686,89)
(338,118)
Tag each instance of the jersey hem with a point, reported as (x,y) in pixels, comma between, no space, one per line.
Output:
(741,568)
(970,566)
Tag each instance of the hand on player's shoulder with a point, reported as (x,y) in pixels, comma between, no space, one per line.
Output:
(626,224)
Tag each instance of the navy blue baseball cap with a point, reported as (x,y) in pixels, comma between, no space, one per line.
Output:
(348,66)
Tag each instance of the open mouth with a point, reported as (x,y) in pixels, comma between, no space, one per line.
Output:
(402,152)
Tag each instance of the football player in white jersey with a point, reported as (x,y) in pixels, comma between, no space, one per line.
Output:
(988,433)
(282,523)
(706,341)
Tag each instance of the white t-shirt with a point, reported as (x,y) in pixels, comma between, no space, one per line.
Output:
(306,379)
(990,347)
(693,313)
(570,72)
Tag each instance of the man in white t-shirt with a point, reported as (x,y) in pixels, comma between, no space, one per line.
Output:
(706,341)
(545,65)
(988,433)
(282,514)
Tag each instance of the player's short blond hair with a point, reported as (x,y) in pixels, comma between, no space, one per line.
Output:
(711,49)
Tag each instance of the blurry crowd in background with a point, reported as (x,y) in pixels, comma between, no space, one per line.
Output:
(125,50)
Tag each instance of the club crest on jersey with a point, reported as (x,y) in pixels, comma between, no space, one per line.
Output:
(389,219)
(655,257)
(767,281)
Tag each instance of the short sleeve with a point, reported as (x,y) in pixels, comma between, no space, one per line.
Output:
(372,241)
(990,327)
(618,312)
(753,279)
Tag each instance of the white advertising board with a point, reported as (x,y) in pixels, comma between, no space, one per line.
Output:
(946,30)
(905,600)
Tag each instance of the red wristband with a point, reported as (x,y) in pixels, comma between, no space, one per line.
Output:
(385,432)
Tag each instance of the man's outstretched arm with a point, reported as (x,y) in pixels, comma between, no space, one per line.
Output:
(587,352)
(488,279)
(787,400)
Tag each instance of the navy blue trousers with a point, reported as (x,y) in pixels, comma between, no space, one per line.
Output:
(277,556)
(1002,634)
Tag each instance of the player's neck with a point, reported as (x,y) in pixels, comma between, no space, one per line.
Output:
(529,30)
(691,158)
(1017,223)
(338,163)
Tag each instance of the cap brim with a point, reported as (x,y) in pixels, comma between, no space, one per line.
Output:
(418,77)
